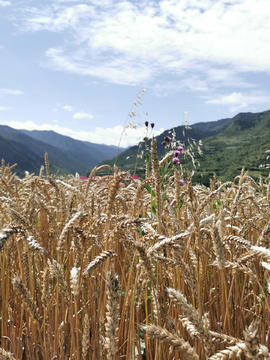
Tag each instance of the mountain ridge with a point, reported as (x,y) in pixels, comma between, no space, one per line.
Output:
(222,141)
(83,151)
(228,145)
(65,154)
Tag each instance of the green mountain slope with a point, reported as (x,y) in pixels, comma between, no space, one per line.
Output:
(127,159)
(228,145)
(242,144)
(214,126)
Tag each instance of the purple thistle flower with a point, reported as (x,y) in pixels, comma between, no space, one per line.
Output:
(175,160)
(169,138)
(180,148)
(165,176)
(182,182)
(176,153)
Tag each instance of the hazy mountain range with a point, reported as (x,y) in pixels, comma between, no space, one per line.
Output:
(227,145)
(66,155)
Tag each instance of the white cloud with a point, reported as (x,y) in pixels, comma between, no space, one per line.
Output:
(131,43)
(67,108)
(4,108)
(99,135)
(4,91)
(117,71)
(5,3)
(239,101)
(82,115)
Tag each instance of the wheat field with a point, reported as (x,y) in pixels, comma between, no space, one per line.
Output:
(95,270)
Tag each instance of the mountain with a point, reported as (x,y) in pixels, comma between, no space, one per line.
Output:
(242,144)
(126,159)
(227,145)
(213,126)
(13,152)
(66,155)
(85,152)
(32,152)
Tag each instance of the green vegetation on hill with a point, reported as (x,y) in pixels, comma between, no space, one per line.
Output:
(228,146)
(127,159)
(242,144)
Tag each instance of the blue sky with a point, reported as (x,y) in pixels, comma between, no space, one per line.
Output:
(76,67)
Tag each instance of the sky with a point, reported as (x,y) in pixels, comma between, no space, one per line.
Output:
(81,67)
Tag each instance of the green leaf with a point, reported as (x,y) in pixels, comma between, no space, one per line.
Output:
(148,188)
(164,196)
(154,208)
(147,157)
(218,204)
(181,203)
(140,231)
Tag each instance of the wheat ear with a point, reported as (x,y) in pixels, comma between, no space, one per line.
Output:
(5,355)
(46,290)
(192,314)
(26,297)
(98,260)
(85,336)
(46,159)
(112,314)
(177,342)
(118,177)
(251,341)
(57,272)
